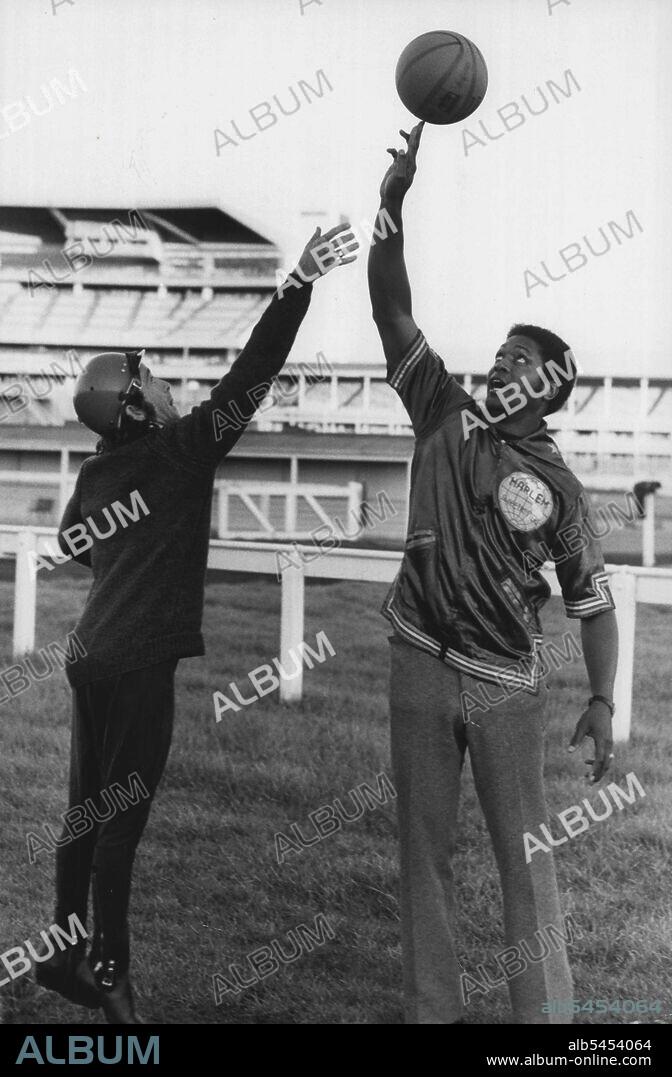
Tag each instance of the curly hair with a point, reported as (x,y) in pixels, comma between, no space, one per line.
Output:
(553,350)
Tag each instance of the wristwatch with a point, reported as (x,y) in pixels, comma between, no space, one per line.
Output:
(603,699)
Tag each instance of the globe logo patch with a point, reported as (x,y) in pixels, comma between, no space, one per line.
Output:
(525,501)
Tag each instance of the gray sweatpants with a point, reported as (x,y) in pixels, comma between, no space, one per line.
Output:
(429,738)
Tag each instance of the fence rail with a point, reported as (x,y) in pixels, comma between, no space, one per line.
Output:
(256,497)
(630,585)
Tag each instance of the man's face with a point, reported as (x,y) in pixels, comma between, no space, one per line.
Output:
(158,393)
(518,361)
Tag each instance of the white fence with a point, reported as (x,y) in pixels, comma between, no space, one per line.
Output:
(629,586)
(256,497)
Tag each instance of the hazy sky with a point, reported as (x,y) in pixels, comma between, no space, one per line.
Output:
(161,76)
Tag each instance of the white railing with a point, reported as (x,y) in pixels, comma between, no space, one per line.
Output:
(256,497)
(390,421)
(629,585)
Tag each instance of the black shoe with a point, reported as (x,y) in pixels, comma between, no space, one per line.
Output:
(115,994)
(71,976)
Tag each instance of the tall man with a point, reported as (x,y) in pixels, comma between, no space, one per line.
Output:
(487,500)
(144,610)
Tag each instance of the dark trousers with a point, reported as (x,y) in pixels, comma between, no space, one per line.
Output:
(121,726)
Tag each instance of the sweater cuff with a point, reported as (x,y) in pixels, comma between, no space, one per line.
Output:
(293,287)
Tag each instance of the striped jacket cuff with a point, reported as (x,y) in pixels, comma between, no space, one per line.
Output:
(599,602)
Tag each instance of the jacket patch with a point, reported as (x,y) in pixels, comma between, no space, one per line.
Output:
(525,501)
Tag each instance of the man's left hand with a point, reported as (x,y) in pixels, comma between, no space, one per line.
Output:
(595,722)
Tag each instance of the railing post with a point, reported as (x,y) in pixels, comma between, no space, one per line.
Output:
(355,494)
(649,531)
(624,588)
(290,510)
(366,395)
(25,593)
(291,632)
(63,483)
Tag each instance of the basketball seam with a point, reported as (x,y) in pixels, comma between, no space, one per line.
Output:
(427,52)
(443,77)
(469,95)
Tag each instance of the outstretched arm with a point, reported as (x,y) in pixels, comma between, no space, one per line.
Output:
(389,288)
(242,389)
(211,430)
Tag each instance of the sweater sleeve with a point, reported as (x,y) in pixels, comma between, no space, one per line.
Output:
(72,517)
(212,428)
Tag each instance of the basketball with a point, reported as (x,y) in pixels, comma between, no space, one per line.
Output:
(441,77)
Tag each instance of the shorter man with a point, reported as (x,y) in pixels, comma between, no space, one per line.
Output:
(144,610)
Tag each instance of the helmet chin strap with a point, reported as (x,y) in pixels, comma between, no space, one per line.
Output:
(134,389)
(134,360)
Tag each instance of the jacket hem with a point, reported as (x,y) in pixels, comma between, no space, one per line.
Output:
(98,667)
(478,670)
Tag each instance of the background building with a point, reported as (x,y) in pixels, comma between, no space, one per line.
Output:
(188,285)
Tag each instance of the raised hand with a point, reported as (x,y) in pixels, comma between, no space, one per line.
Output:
(399,176)
(323,253)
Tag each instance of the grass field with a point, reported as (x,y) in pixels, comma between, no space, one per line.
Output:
(208,889)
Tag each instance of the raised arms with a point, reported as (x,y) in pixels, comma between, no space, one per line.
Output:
(210,431)
(389,288)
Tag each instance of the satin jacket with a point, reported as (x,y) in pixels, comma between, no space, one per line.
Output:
(486,511)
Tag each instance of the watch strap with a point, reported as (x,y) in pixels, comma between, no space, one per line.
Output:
(603,699)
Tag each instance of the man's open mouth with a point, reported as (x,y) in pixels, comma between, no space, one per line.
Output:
(496,383)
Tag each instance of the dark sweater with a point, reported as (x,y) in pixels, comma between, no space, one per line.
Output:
(146,602)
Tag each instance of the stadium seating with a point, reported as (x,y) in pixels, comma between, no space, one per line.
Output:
(189,289)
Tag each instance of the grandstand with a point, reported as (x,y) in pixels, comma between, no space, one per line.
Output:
(179,281)
(187,285)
